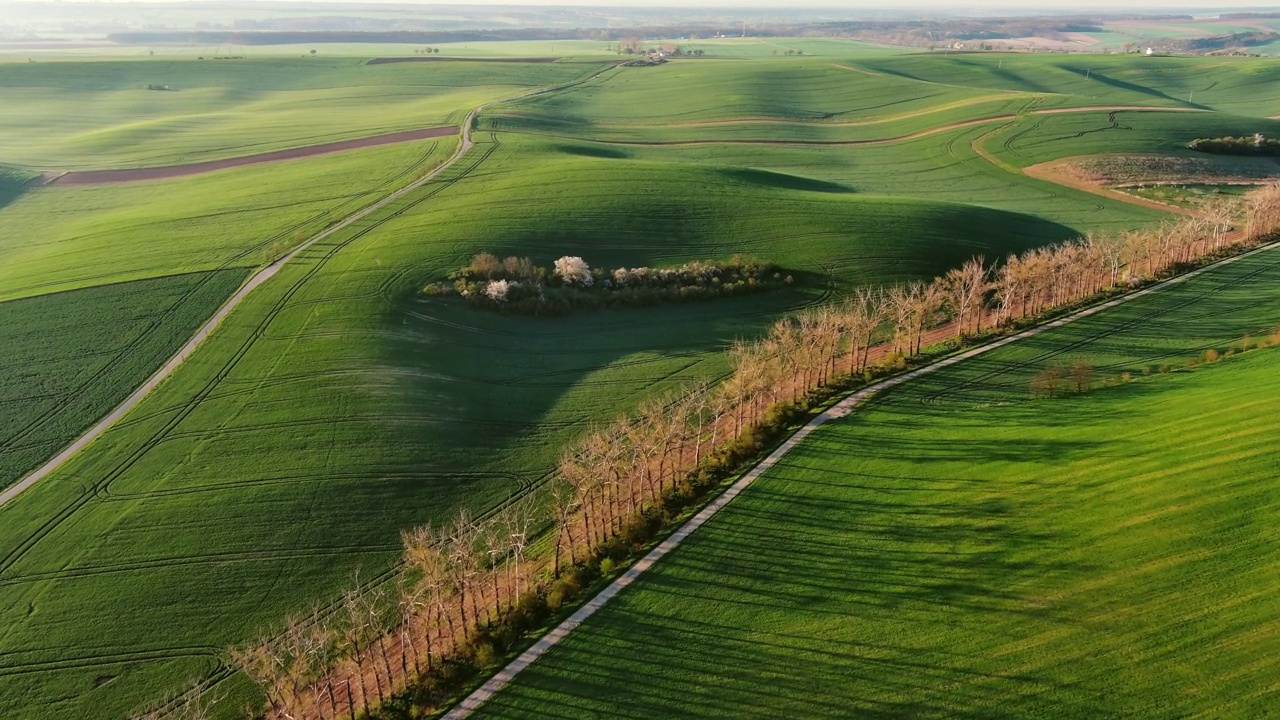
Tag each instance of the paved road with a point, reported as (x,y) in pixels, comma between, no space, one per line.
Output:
(258,278)
(841,409)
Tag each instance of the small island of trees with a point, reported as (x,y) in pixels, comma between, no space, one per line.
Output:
(1256,145)
(517,285)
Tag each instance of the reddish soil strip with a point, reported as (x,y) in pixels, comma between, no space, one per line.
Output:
(387,60)
(96,177)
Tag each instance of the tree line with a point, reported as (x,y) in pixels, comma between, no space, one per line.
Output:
(466,590)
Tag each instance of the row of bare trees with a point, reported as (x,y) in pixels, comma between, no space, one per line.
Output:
(460,580)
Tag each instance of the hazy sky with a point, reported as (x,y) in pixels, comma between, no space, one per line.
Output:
(1024,6)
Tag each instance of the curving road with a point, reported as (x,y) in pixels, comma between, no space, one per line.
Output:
(234,301)
(841,409)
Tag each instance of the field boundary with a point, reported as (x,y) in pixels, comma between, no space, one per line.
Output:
(164,172)
(957,125)
(841,409)
(212,323)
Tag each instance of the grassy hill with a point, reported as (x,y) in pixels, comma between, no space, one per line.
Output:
(337,406)
(959,549)
(71,356)
(56,238)
(91,115)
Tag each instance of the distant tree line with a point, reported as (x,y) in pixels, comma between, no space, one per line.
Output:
(906,32)
(1216,42)
(466,590)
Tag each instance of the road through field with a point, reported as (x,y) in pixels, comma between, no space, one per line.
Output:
(841,409)
(205,330)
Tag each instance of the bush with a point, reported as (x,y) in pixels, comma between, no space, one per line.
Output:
(1045,383)
(1256,145)
(517,286)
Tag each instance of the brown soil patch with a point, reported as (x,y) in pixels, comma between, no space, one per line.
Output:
(96,177)
(1063,172)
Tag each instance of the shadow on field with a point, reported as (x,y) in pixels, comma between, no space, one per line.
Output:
(826,592)
(11,187)
(785,181)
(593,151)
(876,572)
(1133,88)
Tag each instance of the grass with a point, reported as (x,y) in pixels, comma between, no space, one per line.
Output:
(1048,137)
(958,549)
(337,400)
(1244,86)
(336,406)
(56,238)
(91,115)
(70,357)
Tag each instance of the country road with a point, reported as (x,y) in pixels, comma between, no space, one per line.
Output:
(234,301)
(841,409)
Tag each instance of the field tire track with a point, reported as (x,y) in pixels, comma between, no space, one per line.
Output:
(209,326)
(840,410)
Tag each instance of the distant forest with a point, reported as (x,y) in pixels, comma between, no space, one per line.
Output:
(904,32)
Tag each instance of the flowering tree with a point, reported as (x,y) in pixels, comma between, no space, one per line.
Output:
(498,289)
(573,270)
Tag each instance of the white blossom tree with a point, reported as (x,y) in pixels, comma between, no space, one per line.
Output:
(573,270)
(498,290)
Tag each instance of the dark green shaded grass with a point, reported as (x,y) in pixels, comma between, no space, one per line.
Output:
(70,357)
(959,550)
(12,183)
(335,407)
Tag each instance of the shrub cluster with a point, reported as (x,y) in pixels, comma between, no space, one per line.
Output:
(1256,145)
(518,286)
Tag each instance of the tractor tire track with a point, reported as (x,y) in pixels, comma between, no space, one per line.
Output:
(840,410)
(234,301)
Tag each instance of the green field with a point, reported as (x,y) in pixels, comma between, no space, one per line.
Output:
(56,238)
(90,115)
(71,356)
(958,549)
(337,406)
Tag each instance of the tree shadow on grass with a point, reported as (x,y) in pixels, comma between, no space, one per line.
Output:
(814,596)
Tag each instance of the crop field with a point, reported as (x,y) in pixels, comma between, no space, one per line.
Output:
(336,405)
(56,238)
(958,548)
(93,115)
(70,356)
(339,401)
